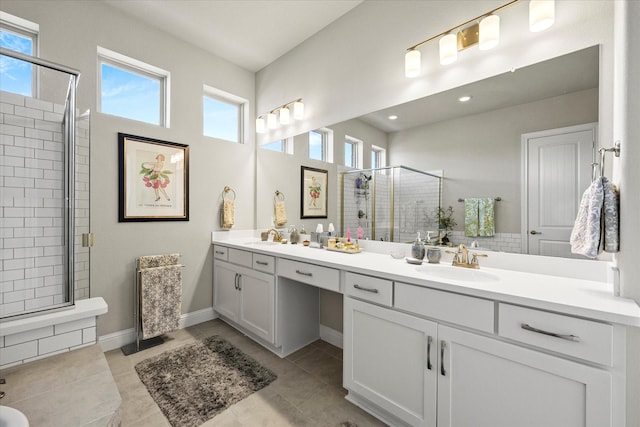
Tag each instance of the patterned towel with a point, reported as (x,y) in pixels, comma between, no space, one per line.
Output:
(281,213)
(486,217)
(585,236)
(150,261)
(228,213)
(471,217)
(610,223)
(160,299)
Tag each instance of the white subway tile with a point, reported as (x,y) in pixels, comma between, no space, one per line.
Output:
(50,260)
(38,104)
(18,264)
(38,272)
(87,322)
(48,125)
(89,335)
(19,182)
(38,222)
(49,291)
(12,130)
(12,161)
(59,342)
(14,353)
(16,296)
(7,309)
(37,303)
(24,122)
(27,336)
(38,163)
(18,243)
(32,283)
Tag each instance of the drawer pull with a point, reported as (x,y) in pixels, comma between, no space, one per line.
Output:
(372,290)
(567,337)
(443,345)
(220,252)
(304,273)
(262,263)
(429,341)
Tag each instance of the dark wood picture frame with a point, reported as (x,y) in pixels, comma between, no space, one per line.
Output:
(313,192)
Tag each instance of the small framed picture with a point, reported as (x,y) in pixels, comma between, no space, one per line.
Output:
(153,179)
(313,193)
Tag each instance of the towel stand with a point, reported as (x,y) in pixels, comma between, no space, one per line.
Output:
(139,344)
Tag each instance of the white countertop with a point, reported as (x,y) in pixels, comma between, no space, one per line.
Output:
(577,297)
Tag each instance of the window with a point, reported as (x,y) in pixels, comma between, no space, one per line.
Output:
(223,115)
(321,144)
(352,152)
(281,145)
(19,35)
(132,89)
(378,157)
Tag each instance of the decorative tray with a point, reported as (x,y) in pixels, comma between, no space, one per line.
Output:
(345,251)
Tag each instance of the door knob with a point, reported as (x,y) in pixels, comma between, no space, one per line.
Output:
(535,232)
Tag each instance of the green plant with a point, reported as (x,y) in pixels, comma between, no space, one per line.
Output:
(445,219)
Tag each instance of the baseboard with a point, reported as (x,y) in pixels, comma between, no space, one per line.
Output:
(331,336)
(120,338)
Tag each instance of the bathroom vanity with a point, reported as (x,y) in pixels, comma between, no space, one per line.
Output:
(436,345)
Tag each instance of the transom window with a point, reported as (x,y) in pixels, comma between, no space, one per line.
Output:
(352,152)
(223,115)
(281,146)
(320,145)
(131,89)
(378,157)
(19,35)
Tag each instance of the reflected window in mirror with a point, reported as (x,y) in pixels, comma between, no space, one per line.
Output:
(378,157)
(320,144)
(352,152)
(21,36)
(281,146)
(223,115)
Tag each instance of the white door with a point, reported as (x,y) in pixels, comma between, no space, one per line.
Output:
(225,293)
(257,304)
(484,382)
(390,359)
(557,170)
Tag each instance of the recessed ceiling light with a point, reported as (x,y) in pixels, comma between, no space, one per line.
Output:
(393,117)
(464,98)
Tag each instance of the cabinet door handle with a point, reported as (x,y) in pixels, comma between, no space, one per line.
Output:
(443,345)
(304,273)
(429,341)
(372,290)
(262,263)
(567,337)
(239,282)
(220,252)
(235,281)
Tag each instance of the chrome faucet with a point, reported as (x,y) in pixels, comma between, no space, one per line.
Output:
(461,258)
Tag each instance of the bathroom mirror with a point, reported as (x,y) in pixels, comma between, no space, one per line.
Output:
(478,144)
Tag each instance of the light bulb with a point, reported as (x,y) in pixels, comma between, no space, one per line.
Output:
(448,49)
(284,116)
(260,125)
(542,13)
(489,32)
(412,63)
(272,122)
(298,110)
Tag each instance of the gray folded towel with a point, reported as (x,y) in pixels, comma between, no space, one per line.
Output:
(585,236)
(160,299)
(610,221)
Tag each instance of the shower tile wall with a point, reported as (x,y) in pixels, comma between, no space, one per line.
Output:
(31,226)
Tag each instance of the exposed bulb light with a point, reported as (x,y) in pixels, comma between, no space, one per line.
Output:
(541,15)
(489,32)
(412,63)
(284,116)
(464,98)
(448,49)
(393,117)
(272,122)
(298,110)
(260,125)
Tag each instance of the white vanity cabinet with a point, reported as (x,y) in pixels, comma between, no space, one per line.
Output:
(390,359)
(243,295)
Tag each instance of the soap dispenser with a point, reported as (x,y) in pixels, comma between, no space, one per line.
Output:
(294,236)
(417,250)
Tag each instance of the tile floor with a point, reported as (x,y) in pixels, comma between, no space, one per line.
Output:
(308,391)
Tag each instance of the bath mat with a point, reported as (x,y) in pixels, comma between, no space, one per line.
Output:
(193,383)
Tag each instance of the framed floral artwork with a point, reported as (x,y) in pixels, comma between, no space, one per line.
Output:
(313,193)
(153,179)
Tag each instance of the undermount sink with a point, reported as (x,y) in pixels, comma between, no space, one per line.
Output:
(11,417)
(459,273)
(263,242)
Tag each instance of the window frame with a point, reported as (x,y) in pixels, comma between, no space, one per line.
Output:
(356,147)
(379,154)
(327,144)
(26,29)
(135,66)
(229,98)
(286,146)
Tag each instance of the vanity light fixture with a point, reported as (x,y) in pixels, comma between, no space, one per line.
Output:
(280,115)
(393,117)
(484,31)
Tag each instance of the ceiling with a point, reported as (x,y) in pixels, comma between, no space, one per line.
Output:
(562,75)
(249,33)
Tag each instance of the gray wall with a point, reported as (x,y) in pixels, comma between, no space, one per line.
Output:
(480,154)
(69,34)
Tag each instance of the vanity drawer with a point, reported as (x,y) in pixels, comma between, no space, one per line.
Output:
(580,338)
(220,252)
(472,312)
(264,263)
(239,257)
(314,275)
(369,288)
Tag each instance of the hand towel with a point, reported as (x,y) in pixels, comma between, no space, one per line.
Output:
(471,217)
(281,213)
(160,299)
(228,213)
(486,217)
(585,236)
(610,223)
(149,261)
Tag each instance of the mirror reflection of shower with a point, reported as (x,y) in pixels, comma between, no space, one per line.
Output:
(390,204)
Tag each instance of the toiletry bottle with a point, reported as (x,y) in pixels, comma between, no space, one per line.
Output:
(294,236)
(417,250)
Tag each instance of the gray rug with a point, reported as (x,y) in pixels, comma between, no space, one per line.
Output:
(193,383)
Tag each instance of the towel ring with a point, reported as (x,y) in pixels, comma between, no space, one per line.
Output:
(227,190)
(278,197)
